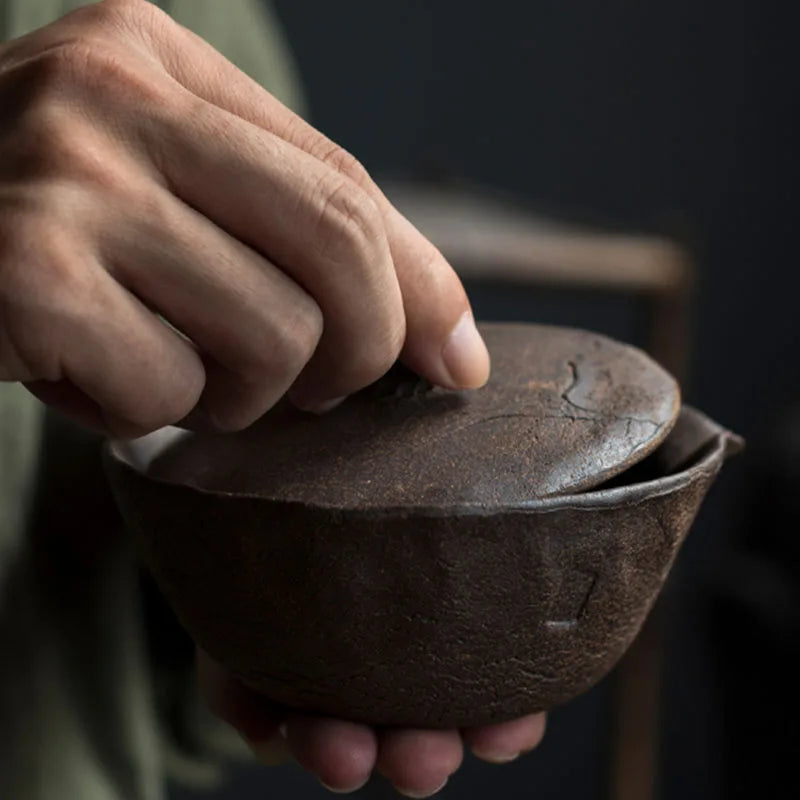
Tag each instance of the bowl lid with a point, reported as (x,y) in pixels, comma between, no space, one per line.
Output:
(563,411)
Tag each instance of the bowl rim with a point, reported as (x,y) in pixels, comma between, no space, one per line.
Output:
(120,455)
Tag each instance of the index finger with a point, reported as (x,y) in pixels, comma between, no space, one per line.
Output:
(442,342)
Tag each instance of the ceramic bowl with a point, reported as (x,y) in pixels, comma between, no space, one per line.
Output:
(434,616)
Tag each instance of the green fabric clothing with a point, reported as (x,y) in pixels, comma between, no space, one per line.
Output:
(89,711)
(245,31)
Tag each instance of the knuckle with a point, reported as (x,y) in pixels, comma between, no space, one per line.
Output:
(55,137)
(294,344)
(267,371)
(41,254)
(59,273)
(39,245)
(44,289)
(110,74)
(60,148)
(345,163)
(117,13)
(350,225)
(60,68)
(87,65)
(284,347)
(45,77)
(378,354)
(305,331)
(154,205)
(95,15)
(62,284)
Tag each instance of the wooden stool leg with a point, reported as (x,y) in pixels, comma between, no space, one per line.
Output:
(635,755)
(634,766)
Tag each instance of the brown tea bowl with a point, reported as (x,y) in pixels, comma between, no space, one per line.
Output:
(427,616)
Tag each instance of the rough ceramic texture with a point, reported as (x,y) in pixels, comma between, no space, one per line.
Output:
(431,616)
(456,598)
(564,410)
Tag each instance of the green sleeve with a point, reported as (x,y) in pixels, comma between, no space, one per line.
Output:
(245,31)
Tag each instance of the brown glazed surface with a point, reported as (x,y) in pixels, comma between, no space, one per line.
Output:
(564,410)
(436,614)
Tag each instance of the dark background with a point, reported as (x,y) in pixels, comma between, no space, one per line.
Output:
(674,117)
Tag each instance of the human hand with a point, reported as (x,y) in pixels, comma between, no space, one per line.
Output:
(144,180)
(344,754)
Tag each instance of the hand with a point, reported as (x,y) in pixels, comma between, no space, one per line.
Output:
(344,754)
(175,243)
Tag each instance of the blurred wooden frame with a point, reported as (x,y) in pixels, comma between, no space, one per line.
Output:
(490,239)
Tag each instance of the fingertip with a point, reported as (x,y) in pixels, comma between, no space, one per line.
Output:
(442,342)
(318,407)
(346,790)
(419,762)
(464,355)
(341,754)
(417,795)
(506,741)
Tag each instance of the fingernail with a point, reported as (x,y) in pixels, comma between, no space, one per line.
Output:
(497,758)
(419,795)
(270,752)
(319,407)
(344,791)
(465,356)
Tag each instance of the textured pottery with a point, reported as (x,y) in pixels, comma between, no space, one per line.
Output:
(455,605)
